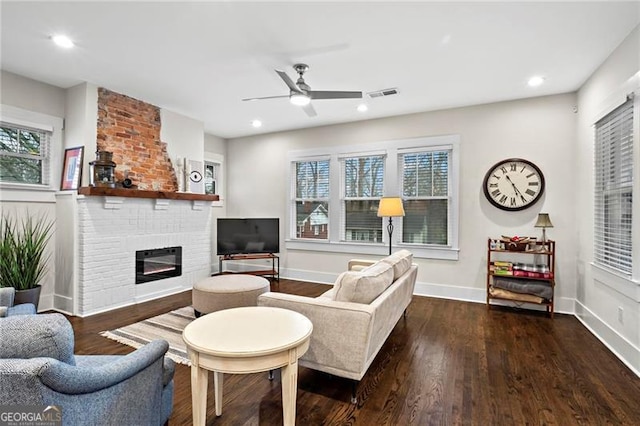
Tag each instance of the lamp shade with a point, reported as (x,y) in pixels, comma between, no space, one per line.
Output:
(543,221)
(390,207)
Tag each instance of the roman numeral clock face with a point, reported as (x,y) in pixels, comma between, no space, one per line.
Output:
(513,184)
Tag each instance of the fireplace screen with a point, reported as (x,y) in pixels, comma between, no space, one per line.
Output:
(158,264)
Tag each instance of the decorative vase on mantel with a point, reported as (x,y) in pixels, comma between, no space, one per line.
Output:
(30,295)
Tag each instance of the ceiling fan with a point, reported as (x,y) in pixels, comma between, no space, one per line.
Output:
(301,94)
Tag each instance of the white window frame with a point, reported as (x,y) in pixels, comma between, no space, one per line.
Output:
(294,198)
(344,198)
(448,197)
(605,253)
(218,160)
(391,150)
(16,191)
(624,284)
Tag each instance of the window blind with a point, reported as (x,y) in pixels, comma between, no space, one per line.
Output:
(613,193)
(363,187)
(425,190)
(311,203)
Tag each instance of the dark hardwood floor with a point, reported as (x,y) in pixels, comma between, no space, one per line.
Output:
(446,363)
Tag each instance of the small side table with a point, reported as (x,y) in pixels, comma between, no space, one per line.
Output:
(241,341)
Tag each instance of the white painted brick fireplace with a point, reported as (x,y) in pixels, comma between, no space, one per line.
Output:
(110,230)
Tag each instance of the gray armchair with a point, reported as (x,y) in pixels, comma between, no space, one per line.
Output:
(37,367)
(7,295)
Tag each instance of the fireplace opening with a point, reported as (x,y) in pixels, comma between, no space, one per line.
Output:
(158,264)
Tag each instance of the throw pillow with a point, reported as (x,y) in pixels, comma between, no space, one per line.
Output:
(363,286)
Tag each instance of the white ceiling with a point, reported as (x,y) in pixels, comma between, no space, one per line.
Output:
(200,59)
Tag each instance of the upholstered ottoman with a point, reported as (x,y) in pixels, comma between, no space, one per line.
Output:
(227,291)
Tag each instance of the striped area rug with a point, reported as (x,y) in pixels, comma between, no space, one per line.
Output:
(167,326)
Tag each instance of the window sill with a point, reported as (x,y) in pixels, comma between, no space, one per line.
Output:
(620,283)
(28,193)
(421,252)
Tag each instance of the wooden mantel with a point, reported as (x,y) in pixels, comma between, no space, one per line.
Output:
(135,193)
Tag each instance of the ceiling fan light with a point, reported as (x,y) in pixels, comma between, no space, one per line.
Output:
(299,99)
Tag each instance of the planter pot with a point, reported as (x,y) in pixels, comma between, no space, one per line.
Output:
(31,295)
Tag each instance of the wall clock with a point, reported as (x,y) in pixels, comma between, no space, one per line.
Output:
(513,184)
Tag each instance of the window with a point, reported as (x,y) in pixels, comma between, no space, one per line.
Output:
(24,154)
(425,192)
(614,189)
(335,192)
(311,200)
(211,171)
(363,188)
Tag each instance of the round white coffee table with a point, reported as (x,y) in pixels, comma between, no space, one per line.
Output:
(246,340)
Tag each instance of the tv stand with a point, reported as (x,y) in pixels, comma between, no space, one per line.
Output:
(273,273)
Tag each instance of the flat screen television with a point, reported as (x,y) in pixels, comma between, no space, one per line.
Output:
(248,236)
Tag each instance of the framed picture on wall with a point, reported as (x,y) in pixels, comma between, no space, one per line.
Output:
(71,168)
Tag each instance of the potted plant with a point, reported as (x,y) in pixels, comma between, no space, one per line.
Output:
(23,260)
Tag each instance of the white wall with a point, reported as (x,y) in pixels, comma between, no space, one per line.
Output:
(81,123)
(31,95)
(599,296)
(184,136)
(24,95)
(215,149)
(539,129)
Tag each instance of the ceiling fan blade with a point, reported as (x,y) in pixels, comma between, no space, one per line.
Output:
(266,97)
(333,94)
(311,112)
(283,75)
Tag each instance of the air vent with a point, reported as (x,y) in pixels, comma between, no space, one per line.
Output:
(383,92)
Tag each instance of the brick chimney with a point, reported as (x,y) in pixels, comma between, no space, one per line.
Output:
(130,129)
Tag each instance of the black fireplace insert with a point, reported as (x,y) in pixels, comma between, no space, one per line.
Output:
(158,264)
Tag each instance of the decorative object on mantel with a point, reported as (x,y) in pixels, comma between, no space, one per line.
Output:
(103,170)
(196,181)
(179,170)
(390,207)
(187,173)
(543,222)
(71,168)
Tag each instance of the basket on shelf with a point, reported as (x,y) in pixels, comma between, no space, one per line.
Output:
(515,246)
(516,243)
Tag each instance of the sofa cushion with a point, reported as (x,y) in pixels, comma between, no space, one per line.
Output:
(31,336)
(363,286)
(400,261)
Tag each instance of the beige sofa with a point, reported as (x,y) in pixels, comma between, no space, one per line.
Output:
(352,320)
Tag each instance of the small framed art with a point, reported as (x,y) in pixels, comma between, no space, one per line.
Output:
(71,168)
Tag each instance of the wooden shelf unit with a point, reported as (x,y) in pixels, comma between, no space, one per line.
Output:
(546,250)
(273,272)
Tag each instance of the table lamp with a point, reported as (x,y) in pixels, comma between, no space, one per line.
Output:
(390,207)
(543,222)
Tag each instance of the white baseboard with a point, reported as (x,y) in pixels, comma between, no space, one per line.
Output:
(626,351)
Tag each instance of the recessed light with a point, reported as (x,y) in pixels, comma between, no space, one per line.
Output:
(256,123)
(363,108)
(62,41)
(535,81)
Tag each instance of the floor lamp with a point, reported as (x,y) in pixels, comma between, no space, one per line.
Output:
(390,207)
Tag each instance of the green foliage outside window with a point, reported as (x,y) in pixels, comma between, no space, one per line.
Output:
(21,155)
